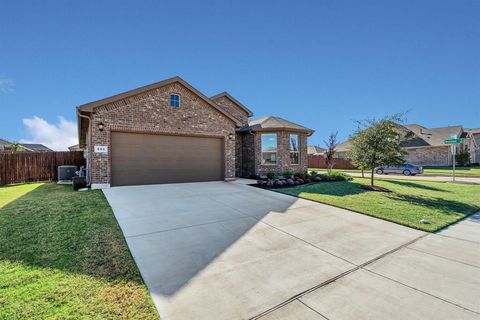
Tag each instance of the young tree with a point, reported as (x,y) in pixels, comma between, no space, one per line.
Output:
(463,157)
(377,143)
(15,147)
(331,144)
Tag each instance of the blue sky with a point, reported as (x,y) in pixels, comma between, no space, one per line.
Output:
(322,64)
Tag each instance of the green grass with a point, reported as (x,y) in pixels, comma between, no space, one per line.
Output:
(410,202)
(15,191)
(462,171)
(63,256)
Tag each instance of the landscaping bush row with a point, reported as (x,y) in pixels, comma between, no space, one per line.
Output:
(288,179)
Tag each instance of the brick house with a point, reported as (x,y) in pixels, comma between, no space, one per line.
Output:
(424,146)
(474,135)
(170,132)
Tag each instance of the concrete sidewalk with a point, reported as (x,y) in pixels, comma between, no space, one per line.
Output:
(435,277)
(443,178)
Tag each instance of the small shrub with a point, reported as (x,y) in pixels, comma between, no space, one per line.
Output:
(313,174)
(300,174)
(317,178)
(300,181)
(287,174)
(270,183)
(290,182)
(271,175)
(334,176)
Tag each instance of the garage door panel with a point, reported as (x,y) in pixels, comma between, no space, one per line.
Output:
(151,159)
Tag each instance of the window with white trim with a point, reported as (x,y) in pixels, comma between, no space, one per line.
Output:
(269,148)
(294,149)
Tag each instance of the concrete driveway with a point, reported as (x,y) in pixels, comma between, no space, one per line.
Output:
(221,250)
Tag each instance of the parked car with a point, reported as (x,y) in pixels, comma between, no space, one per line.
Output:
(407,170)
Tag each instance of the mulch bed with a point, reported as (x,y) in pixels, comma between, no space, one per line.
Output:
(374,188)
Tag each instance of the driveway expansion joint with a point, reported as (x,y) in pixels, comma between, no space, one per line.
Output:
(442,257)
(337,277)
(424,292)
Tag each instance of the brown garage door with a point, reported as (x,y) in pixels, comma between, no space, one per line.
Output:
(149,159)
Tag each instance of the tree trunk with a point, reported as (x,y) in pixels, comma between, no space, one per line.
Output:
(363,173)
(371,177)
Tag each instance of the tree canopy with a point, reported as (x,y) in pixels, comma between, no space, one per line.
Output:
(377,143)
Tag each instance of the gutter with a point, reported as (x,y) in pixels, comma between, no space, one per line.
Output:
(79,114)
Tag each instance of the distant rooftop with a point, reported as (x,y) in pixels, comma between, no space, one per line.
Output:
(418,136)
(35,147)
(429,136)
(315,149)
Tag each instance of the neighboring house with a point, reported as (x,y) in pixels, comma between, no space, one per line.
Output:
(75,148)
(35,147)
(170,132)
(425,146)
(342,149)
(315,150)
(25,147)
(475,148)
(4,144)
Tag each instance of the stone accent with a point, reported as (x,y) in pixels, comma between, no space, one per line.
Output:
(150,112)
(429,156)
(252,154)
(233,109)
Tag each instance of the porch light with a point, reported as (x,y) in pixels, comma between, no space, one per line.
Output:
(230,136)
(101,126)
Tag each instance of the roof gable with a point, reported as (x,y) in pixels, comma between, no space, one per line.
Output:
(418,136)
(89,107)
(274,123)
(232,99)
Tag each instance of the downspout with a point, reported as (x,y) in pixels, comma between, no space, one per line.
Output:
(89,135)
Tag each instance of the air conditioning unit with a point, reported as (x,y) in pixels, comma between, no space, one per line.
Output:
(66,173)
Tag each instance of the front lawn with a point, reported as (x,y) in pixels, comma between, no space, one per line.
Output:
(410,202)
(63,256)
(12,192)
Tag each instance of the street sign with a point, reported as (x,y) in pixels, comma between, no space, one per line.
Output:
(453,141)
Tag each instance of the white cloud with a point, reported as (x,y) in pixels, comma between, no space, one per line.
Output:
(57,136)
(6,84)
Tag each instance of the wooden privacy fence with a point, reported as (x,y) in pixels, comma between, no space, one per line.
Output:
(20,167)
(319,162)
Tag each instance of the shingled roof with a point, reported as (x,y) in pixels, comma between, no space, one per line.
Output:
(270,123)
(418,136)
(315,149)
(35,147)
